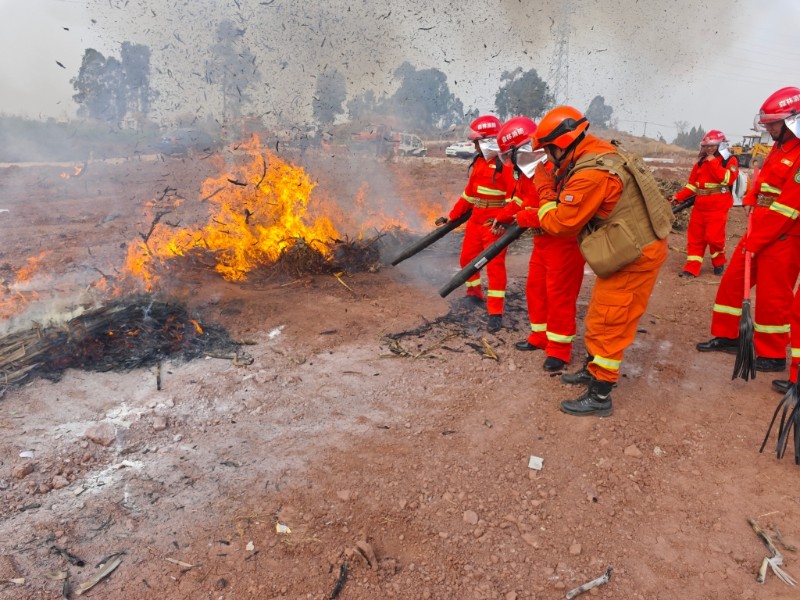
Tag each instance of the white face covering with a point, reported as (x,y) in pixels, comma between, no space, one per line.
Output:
(489,148)
(526,159)
(793,124)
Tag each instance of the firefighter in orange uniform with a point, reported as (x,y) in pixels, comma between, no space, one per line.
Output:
(593,193)
(711,183)
(485,195)
(773,243)
(555,270)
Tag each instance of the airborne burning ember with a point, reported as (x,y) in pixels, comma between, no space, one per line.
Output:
(254,216)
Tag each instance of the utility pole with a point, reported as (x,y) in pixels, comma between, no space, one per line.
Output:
(559,69)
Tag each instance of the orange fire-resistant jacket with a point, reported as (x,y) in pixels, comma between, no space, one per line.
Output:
(485,193)
(779,167)
(617,301)
(710,181)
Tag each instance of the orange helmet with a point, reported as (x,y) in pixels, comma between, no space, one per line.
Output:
(484,126)
(560,127)
(779,106)
(515,132)
(713,138)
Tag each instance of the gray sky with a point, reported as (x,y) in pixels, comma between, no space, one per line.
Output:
(655,63)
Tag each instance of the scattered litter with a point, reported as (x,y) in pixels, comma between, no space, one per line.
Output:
(659,451)
(104,572)
(26,454)
(17,580)
(340,581)
(2,210)
(250,546)
(69,557)
(774,561)
(488,351)
(180,563)
(536,462)
(275,332)
(281,528)
(604,578)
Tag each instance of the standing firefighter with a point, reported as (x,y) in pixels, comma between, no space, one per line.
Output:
(555,270)
(710,183)
(790,198)
(772,241)
(614,206)
(485,195)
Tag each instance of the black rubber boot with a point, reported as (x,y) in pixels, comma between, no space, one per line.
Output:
(719,344)
(770,365)
(781,385)
(495,323)
(582,377)
(595,402)
(553,364)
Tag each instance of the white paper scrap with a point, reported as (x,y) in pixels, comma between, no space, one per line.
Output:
(536,462)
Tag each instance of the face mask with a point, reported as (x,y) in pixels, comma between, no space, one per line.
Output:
(793,124)
(489,148)
(526,159)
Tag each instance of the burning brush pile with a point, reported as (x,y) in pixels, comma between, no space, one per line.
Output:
(123,335)
(261,219)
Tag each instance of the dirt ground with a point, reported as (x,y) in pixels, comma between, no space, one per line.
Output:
(405,458)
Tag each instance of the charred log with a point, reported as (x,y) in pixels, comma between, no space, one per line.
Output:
(136,332)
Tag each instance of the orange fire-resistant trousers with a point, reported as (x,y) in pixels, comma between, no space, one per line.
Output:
(617,304)
(706,228)
(773,272)
(795,336)
(477,237)
(555,274)
(794,320)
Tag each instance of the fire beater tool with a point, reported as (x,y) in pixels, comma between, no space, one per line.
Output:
(688,203)
(432,237)
(477,263)
(790,418)
(745,365)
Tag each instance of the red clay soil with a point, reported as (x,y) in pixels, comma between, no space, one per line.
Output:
(405,458)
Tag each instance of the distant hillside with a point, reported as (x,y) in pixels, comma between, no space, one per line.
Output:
(644,146)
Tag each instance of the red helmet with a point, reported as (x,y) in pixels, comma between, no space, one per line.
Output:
(484,126)
(780,105)
(560,127)
(713,138)
(515,132)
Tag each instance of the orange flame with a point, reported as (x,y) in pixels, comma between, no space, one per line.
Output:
(76,172)
(253,217)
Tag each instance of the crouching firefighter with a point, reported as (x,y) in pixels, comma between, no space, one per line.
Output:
(613,204)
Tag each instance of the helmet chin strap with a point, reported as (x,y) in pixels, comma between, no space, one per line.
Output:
(568,150)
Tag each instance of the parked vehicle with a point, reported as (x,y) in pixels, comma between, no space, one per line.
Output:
(410,145)
(753,149)
(183,142)
(461,150)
